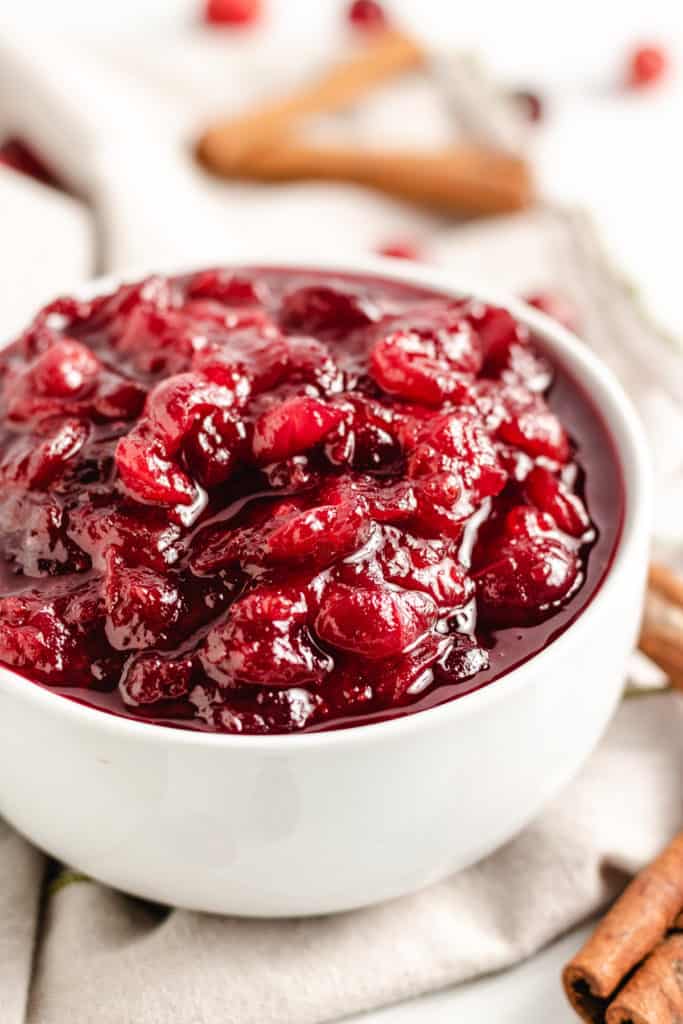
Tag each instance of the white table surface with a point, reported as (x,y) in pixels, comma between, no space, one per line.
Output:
(619,155)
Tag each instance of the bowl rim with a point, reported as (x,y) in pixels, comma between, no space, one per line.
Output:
(592,374)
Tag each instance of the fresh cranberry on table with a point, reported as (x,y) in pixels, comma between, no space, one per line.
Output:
(264,501)
(368,15)
(18,156)
(232,12)
(530,103)
(400,249)
(647,65)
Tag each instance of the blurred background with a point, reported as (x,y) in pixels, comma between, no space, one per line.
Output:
(602,143)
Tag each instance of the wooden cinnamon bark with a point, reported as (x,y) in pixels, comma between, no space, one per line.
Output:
(627,934)
(460,179)
(661,634)
(654,995)
(224,144)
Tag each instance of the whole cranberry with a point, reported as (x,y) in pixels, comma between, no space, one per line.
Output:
(400,249)
(293,427)
(237,13)
(526,579)
(647,65)
(16,155)
(368,15)
(65,370)
(530,103)
(374,622)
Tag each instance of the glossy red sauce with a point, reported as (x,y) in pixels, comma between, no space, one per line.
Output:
(267,501)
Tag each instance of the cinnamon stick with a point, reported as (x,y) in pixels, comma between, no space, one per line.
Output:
(628,933)
(661,634)
(654,995)
(224,144)
(460,179)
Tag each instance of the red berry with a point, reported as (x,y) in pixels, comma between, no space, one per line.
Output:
(400,249)
(67,369)
(16,155)
(232,12)
(647,65)
(525,580)
(549,495)
(319,535)
(530,103)
(293,427)
(150,678)
(148,474)
(463,659)
(264,641)
(142,606)
(373,622)
(328,309)
(367,15)
(226,286)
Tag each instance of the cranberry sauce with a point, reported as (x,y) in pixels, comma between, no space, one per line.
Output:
(262,501)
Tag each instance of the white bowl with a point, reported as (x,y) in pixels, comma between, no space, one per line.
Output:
(314,823)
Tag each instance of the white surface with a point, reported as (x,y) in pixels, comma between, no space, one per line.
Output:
(618,155)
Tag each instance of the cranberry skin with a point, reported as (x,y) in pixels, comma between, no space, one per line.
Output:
(530,103)
(278,711)
(225,286)
(550,495)
(322,308)
(150,678)
(430,356)
(463,660)
(318,536)
(145,534)
(499,334)
(147,473)
(34,636)
(141,605)
(373,622)
(310,361)
(371,441)
(214,446)
(400,249)
(385,502)
(530,425)
(38,465)
(647,66)
(526,579)
(247,359)
(367,15)
(16,155)
(65,370)
(235,13)
(457,445)
(264,642)
(403,365)
(422,564)
(293,427)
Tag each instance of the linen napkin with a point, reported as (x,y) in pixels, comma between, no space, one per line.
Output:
(113,123)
